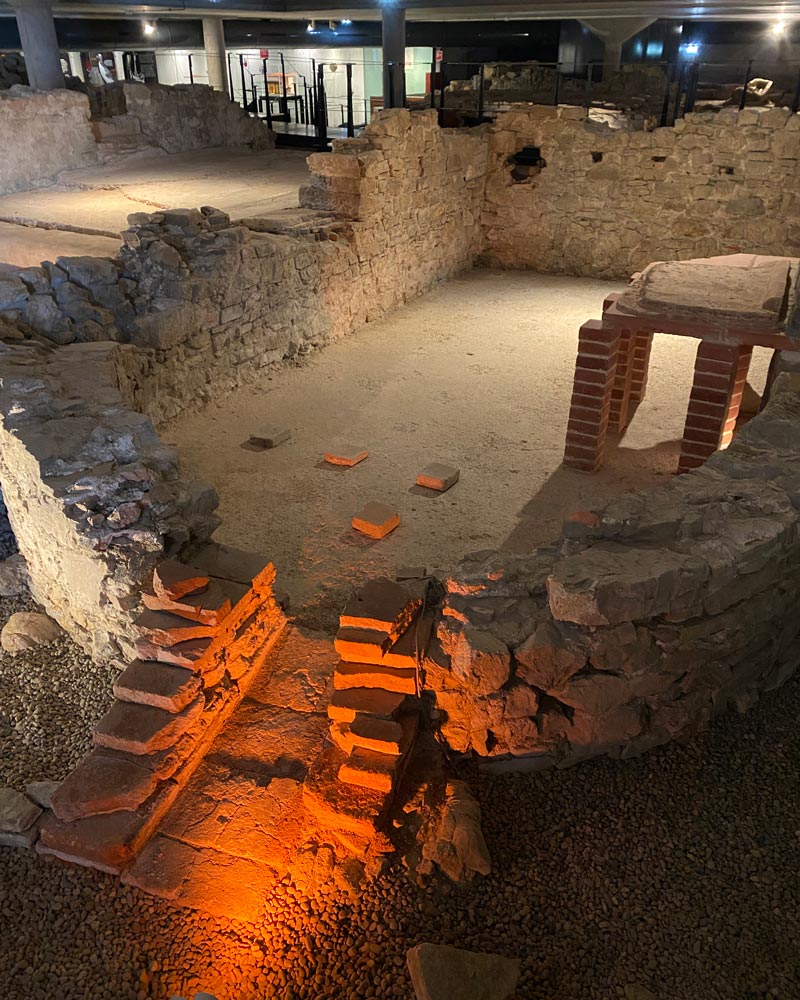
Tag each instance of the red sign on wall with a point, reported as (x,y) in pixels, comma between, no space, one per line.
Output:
(264,53)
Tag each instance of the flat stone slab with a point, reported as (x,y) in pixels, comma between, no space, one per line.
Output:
(209,607)
(361,646)
(202,879)
(17,812)
(102,783)
(382,606)
(269,742)
(410,573)
(228,563)
(162,685)
(231,811)
(26,839)
(270,437)
(41,792)
(182,654)
(437,476)
(376,520)
(344,706)
(174,580)
(381,735)
(343,808)
(402,680)
(298,672)
(141,729)
(164,629)
(441,972)
(369,769)
(346,454)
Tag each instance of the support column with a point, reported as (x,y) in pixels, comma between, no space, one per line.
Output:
(621,390)
(642,345)
(595,372)
(214,44)
(720,373)
(37,33)
(394,55)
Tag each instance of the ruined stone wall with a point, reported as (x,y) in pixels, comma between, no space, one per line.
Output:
(43,133)
(644,621)
(93,496)
(211,303)
(610,201)
(192,116)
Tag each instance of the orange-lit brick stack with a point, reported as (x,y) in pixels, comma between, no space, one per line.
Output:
(383,634)
(202,639)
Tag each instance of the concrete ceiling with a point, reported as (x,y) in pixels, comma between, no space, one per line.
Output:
(443,10)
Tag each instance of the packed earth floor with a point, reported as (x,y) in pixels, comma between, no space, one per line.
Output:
(669,877)
(476,374)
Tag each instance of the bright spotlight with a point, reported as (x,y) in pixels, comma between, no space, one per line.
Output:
(149,28)
(778,28)
(310,26)
(346,20)
(691,48)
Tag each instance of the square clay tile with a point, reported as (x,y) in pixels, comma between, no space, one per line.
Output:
(376,520)
(438,477)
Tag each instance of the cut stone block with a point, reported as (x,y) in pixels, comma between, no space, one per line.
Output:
(346,454)
(161,685)
(210,607)
(174,580)
(164,629)
(361,646)
(141,729)
(369,770)
(381,735)
(271,437)
(228,563)
(344,706)
(380,606)
(102,783)
(410,573)
(438,477)
(17,812)
(376,520)
(182,654)
(366,675)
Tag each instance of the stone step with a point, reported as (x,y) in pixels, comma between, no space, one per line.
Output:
(370,733)
(228,563)
(210,607)
(174,580)
(344,706)
(142,729)
(363,646)
(162,685)
(366,675)
(369,769)
(103,783)
(182,654)
(165,629)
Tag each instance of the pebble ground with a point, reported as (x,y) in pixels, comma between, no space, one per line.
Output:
(670,877)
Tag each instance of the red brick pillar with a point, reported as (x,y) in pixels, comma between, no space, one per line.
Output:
(595,370)
(720,372)
(642,344)
(619,416)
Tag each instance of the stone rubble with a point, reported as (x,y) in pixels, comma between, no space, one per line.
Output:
(13,576)
(28,629)
(440,972)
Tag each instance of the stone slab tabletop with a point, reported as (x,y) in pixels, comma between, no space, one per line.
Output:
(747,298)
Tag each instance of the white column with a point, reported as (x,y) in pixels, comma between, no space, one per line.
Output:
(214,44)
(37,33)
(119,65)
(394,54)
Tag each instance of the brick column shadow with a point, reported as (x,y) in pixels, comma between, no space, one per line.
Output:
(595,371)
(720,373)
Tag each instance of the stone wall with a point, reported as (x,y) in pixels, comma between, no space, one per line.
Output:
(644,621)
(192,116)
(93,496)
(212,303)
(610,201)
(44,133)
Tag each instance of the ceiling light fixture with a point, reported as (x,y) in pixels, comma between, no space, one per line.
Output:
(778,28)
(149,28)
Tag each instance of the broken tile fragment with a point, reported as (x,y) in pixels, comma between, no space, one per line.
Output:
(346,454)
(161,685)
(376,520)
(271,437)
(182,654)
(209,607)
(141,729)
(437,476)
(173,580)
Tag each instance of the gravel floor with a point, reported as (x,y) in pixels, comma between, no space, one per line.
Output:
(672,877)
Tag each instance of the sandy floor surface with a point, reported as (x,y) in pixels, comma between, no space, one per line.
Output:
(476,374)
(99,200)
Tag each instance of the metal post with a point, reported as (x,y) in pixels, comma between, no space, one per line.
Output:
(587,93)
(433,78)
(665,102)
(691,91)
(305,106)
(244,85)
(557,86)
(390,83)
(267,101)
(678,92)
(481,83)
(747,75)
(796,98)
(312,113)
(441,92)
(285,94)
(351,131)
(230,77)
(191,73)
(322,111)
